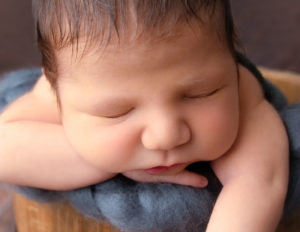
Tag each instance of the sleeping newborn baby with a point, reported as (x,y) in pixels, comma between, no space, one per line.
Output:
(145,90)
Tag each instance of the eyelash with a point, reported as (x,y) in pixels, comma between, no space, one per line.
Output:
(118,115)
(202,96)
(188,97)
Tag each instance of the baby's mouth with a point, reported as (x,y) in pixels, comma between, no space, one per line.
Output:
(160,169)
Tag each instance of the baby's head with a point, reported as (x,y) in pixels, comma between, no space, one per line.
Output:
(97,23)
(142,83)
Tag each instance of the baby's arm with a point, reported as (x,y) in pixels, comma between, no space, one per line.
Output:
(254,173)
(35,152)
(33,148)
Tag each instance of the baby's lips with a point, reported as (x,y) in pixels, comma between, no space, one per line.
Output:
(160,169)
(156,170)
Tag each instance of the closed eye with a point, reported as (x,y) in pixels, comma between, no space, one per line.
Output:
(199,96)
(118,115)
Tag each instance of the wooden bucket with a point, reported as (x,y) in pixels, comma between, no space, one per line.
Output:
(32,216)
(61,217)
(287,82)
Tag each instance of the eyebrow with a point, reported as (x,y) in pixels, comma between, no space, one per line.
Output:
(191,82)
(202,82)
(110,102)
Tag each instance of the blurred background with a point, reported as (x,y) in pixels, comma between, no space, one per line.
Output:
(269,32)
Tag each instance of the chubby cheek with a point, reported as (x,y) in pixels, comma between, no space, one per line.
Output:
(110,148)
(216,130)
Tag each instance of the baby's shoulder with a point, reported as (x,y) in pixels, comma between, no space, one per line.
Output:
(42,89)
(39,104)
(250,90)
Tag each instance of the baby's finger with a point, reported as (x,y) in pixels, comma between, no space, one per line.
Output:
(185,178)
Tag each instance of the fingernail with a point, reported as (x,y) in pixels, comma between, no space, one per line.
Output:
(204,182)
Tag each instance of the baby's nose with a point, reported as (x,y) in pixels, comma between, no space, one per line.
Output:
(165,133)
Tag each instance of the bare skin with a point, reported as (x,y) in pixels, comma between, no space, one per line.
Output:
(263,180)
(248,147)
(250,171)
(42,123)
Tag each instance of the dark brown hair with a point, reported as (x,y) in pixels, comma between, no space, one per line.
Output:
(61,23)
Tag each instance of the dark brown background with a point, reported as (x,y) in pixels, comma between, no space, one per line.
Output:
(269,30)
(17,44)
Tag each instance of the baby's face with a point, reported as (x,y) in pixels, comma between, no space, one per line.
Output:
(141,107)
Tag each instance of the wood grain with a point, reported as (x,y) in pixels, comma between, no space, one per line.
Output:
(6,212)
(32,216)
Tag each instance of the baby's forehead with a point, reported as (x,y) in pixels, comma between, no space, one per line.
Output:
(187,50)
(141,44)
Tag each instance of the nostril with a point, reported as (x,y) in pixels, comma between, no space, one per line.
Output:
(165,141)
(165,132)
(185,134)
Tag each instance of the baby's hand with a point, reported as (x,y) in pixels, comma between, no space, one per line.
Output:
(184,177)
